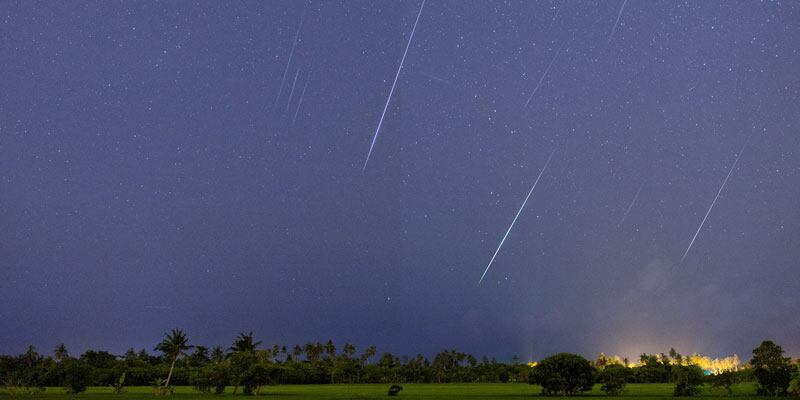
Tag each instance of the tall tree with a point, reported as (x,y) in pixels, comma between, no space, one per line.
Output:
(217,354)
(245,344)
(368,353)
(297,351)
(31,356)
(330,349)
(61,352)
(349,350)
(200,356)
(173,346)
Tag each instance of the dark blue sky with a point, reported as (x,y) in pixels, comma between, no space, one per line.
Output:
(152,175)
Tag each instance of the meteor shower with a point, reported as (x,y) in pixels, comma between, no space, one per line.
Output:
(423,199)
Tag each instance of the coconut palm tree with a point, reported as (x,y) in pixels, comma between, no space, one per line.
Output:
(217,355)
(61,352)
(297,351)
(174,345)
(349,350)
(245,344)
(368,353)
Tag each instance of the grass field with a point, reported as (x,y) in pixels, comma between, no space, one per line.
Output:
(410,391)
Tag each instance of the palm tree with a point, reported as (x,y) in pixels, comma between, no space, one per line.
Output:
(368,353)
(61,353)
(245,344)
(330,349)
(217,354)
(349,350)
(173,346)
(311,352)
(297,351)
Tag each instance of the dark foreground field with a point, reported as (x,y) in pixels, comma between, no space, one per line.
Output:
(410,391)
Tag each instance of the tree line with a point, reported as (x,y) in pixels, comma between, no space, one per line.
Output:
(566,374)
(246,366)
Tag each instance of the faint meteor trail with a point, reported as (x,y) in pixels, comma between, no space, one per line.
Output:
(619,15)
(543,76)
(391,91)
(436,78)
(291,92)
(300,102)
(558,8)
(515,217)
(288,62)
(631,205)
(712,203)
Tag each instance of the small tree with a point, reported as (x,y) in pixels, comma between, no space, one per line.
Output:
(688,379)
(613,378)
(563,374)
(160,388)
(771,369)
(240,363)
(119,385)
(76,376)
(212,377)
(253,378)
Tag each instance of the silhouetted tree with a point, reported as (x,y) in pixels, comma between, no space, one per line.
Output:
(245,344)
(368,353)
(563,374)
(60,353)
(771,369)
(217,355)
(173,346)
(76,376)
(613,378)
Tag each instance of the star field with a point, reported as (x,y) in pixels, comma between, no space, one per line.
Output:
(155,172)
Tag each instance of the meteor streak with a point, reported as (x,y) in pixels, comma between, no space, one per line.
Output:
(291,92)
(543,76)
(300,102)
(288,62)
(712,203)
(515,217)
(436,78)
(619,15)
(631,205)
(391,91)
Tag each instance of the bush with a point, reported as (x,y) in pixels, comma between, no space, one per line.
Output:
(15,388)
(563,374)
(794,384)
(76,376)
(212,377)
(688,379)
(613,379)
(394,390)
(119,386)
(160,388)
(725,380)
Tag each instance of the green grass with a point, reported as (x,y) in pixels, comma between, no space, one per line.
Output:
(475,391)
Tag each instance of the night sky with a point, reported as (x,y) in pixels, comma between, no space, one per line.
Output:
(153,175)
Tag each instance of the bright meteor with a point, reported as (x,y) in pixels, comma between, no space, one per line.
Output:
(712,204)
(391,91)
(515,217)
